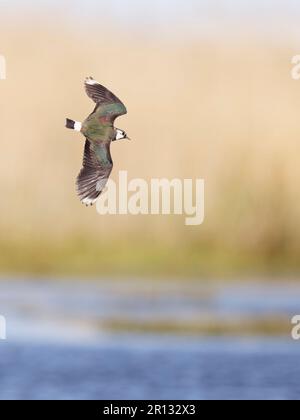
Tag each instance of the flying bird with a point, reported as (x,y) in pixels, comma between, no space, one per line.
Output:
(99,131)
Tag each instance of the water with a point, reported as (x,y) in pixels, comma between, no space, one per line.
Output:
(56,348)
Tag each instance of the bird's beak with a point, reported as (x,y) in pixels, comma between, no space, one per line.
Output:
(128,138)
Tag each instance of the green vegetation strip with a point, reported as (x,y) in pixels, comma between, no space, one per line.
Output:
(87,258)
(250,327)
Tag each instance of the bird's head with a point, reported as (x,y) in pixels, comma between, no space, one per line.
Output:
(120,135)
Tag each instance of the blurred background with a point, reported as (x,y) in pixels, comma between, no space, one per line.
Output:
(122,307)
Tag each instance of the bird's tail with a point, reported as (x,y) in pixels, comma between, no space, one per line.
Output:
(70,124)
(73,125)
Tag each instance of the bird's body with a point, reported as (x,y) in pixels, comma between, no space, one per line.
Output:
(99,131)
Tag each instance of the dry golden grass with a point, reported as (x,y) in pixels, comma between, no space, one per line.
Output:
(226,112)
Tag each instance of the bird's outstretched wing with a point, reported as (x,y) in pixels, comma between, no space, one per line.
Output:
(107,104)
(93,177)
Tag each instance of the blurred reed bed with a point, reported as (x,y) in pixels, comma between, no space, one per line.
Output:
(225,111)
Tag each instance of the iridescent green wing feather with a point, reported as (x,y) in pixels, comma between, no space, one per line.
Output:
(108,106)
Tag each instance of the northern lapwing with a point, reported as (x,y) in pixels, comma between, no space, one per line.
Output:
(99,132)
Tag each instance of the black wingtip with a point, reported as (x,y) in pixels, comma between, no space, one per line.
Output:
(70,124)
